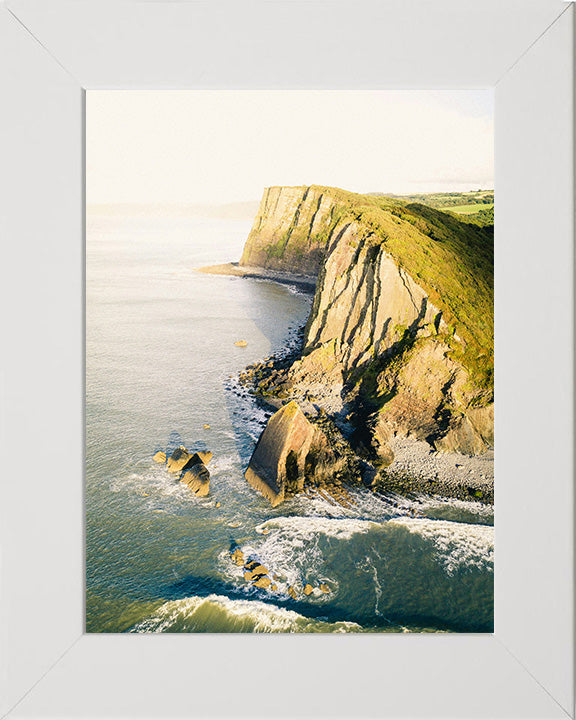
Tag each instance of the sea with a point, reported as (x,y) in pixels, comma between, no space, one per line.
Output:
(162,371)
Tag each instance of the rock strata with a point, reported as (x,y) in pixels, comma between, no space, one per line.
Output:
(197,478)
(292,453)
(290,229)
(399,342)
(190,467)
(178,459)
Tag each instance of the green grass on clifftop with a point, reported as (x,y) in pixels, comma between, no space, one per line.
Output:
(453,260)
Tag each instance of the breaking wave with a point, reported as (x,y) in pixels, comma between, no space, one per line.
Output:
(456,545)
(217,613)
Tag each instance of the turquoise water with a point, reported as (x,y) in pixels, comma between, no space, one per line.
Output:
(160,363)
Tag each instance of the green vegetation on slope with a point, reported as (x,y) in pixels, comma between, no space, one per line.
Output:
(451,259)
(477,206)
(470,209)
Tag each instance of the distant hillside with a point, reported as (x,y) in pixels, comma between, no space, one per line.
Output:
(473,207)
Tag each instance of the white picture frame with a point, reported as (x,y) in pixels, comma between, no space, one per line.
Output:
(51,52)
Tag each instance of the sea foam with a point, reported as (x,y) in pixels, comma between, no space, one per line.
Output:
(217,613)
(456,545)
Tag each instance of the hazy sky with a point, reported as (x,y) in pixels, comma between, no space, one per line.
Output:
(226,146)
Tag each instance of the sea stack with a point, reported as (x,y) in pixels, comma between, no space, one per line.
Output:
(293,452)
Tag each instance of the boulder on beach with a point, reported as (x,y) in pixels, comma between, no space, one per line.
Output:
(178,459)
(206,426)
(205,456)
(197,478)
(159,457)
(241,343)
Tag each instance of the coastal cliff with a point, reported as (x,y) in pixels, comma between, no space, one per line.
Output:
(399,342)
(291,230)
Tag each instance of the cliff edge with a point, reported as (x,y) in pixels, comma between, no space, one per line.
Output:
(291,230)
(399,342)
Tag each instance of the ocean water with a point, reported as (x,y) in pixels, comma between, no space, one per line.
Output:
(160,363)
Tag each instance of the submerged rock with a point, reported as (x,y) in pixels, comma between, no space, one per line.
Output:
(308,589)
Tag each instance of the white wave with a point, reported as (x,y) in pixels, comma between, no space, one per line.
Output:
(217,613)
(456,544)
(292,550)
(476,508)
(153,482)
(306,527)
(365,506)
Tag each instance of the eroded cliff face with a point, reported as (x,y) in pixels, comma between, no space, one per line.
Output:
(291,230)
(378,348)
(379,355)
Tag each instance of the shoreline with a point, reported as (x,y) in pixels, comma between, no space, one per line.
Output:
(306,283)
(417,467)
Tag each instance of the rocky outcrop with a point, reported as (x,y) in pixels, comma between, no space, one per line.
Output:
(401,320)
(398,344)
(178,459)
(291,230)
(365,302)
(376,339)
(293,453)
(197,478)
(191,468)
